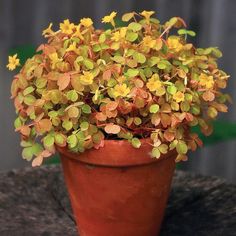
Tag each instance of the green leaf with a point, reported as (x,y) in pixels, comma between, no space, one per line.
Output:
(161,65)
(17,122)
(131,36)
(132,72)
(72,95)
(84,125)
(36,149)
(86,109)
(181,147)
(171,89)
(59,139)
(67,125)
(40,83)
(185,106)
(182,31)
(29,100)
(27,153)
(136,142)
(97,48)
(155,152)
(137,121)
(89,64)
(154,108)
(139,57)
(134,26)
(102,38)
(163,148)
(128,16)
(216,52)
(72,141)
(153,61)
(119,59)
(28,90)
(48,140)
(191,33)
(52,114)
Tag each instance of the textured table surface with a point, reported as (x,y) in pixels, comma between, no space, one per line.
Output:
(34,202)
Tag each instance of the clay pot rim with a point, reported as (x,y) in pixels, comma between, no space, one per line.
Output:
(121,154)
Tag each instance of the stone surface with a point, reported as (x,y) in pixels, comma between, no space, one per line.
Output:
(35,202)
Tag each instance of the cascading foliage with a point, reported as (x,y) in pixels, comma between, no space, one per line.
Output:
(143,80)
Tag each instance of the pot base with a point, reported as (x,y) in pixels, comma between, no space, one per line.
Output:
(118,201)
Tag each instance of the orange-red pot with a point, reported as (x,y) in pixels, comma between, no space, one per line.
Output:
(118,190)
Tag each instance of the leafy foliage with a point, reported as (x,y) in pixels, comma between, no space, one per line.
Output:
(133,82)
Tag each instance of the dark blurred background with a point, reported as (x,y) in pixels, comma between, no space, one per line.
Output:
(21,25)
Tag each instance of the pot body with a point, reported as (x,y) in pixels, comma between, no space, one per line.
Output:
(118,190)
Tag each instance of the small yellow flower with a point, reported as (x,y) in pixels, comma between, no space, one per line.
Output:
(78,33)
(54,59)
(72,47)
(13,62)
(148,42)
(147,14)
(109,18)
(66,27)
(206,81)
(87,22)
(121,79)
(86,78)
(119,35)
(155,85)
(178,97)
(121,90)
(174,44)
(48,31)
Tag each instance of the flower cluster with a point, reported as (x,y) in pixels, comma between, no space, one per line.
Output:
(137,81)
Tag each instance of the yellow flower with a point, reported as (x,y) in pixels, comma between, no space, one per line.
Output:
(87,22)
(147,14)
(54,59)
(174,44)
(206,81)
(72,47)
(121,90)
(109,18)
(178,97)
(48,31)
(66,27)
(155,85)
(121,79)
(119,35)
(86,78)
(149,42)
(78,33)
(13,62)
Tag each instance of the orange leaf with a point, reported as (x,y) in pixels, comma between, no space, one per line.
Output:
(208,96)
(100,116)
(169,136)
(106,75)
(39,159)
(43,125)
(165,120)
(63,81)
(25,130)
(112,105)
(112,129)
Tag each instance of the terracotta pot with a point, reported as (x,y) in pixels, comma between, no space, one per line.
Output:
(118,190)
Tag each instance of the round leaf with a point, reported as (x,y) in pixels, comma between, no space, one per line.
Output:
(136,142)
(154,108)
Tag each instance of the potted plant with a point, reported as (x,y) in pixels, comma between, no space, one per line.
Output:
(118,105)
